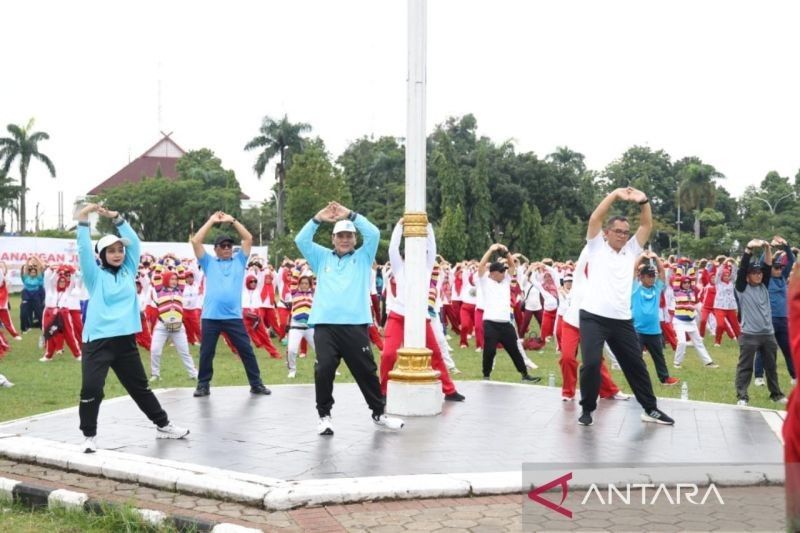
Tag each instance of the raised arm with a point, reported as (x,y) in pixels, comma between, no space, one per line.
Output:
(305,237)
(600,212)
(369,231)
(246,236)
(199,237)
(485,259)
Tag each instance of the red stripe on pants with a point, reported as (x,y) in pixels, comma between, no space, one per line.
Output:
(393,340)
(570,340)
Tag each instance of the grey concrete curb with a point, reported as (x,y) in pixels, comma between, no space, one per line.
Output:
(34,496)
(276,494)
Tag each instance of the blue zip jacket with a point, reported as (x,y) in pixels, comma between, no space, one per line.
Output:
(777,288)
(113,308)
(342,293)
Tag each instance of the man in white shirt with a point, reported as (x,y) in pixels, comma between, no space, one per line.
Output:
(605,312)
(497,314)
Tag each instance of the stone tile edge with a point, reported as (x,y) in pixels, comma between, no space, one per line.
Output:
(39,496)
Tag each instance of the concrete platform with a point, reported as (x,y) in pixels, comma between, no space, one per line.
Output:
(478,446)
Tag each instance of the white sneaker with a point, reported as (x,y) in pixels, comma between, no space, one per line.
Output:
(79,358)
(567,398)
(389,422)
(18,338)
(783,400)
(4,382)
(89,445)
(155,378)
(620,396)
(454,370)
(676,365)
(716,346)
(759,382)
(292,374)
(44,359)
(171,431)
(742,403)
(325,426)
(478,350)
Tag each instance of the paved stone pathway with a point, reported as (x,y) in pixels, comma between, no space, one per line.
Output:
(746,509)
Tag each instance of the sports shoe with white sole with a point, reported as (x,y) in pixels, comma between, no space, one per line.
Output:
(171,431)
(325,426)
(742,403)
(389,422)
(89,445)
(45,359)
(783,400)
(292,374)
(658,416)
(712,364)
(620,396)
(585,419)
(759,382)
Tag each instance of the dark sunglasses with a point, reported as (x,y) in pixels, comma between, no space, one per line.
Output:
(225,245)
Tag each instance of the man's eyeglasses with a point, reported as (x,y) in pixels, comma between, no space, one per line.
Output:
(225,245)
(621,232)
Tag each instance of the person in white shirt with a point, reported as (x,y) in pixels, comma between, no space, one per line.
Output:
(495,285)
(605,311)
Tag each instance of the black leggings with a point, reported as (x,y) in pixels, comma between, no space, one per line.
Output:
(505,334)
(119,354)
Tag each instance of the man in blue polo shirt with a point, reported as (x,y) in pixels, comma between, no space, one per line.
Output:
(222,306)
(645,298)
(341,312)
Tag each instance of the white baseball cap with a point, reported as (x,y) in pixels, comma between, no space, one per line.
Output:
(107,241)
(344,225)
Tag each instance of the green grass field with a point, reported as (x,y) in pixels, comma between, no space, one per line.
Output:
(42,387)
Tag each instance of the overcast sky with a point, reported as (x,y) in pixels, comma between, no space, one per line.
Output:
(715,79)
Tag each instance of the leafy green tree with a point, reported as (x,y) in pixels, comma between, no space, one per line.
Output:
(375,174)
(23,144)
(9,195)
(204,166)
(481,209)
(451,235)
(532,235)
(312,182)
(696,188)
(282,139)
(163,209)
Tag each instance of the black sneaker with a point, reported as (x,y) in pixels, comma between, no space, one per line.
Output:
(455,397)
(531,379)
(260,389)
(201,390)
(657,416)
(585,419)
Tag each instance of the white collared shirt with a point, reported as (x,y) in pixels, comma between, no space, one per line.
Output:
(610,279)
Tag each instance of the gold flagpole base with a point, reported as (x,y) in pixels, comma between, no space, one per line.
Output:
(414,366)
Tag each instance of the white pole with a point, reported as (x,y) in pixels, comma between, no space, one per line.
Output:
(415,246)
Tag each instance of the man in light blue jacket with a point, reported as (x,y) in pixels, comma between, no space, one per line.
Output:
(340,314)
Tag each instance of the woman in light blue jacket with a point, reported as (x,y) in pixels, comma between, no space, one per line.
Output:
(112,321)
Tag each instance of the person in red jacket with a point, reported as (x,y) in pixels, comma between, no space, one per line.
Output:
(791,426)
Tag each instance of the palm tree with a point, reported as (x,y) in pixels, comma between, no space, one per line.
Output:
(23,144)
(696,189)
(278,139)
(9,193)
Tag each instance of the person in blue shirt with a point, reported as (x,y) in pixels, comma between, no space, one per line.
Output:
(222,306)
(645,297)
(32,302)
(782,263)
(341,313)
(112,321)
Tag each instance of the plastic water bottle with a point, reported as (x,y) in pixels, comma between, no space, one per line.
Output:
(684,391)
(551,379)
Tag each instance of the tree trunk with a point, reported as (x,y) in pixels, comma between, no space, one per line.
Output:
(23,174)
(697,224)
(279,201)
